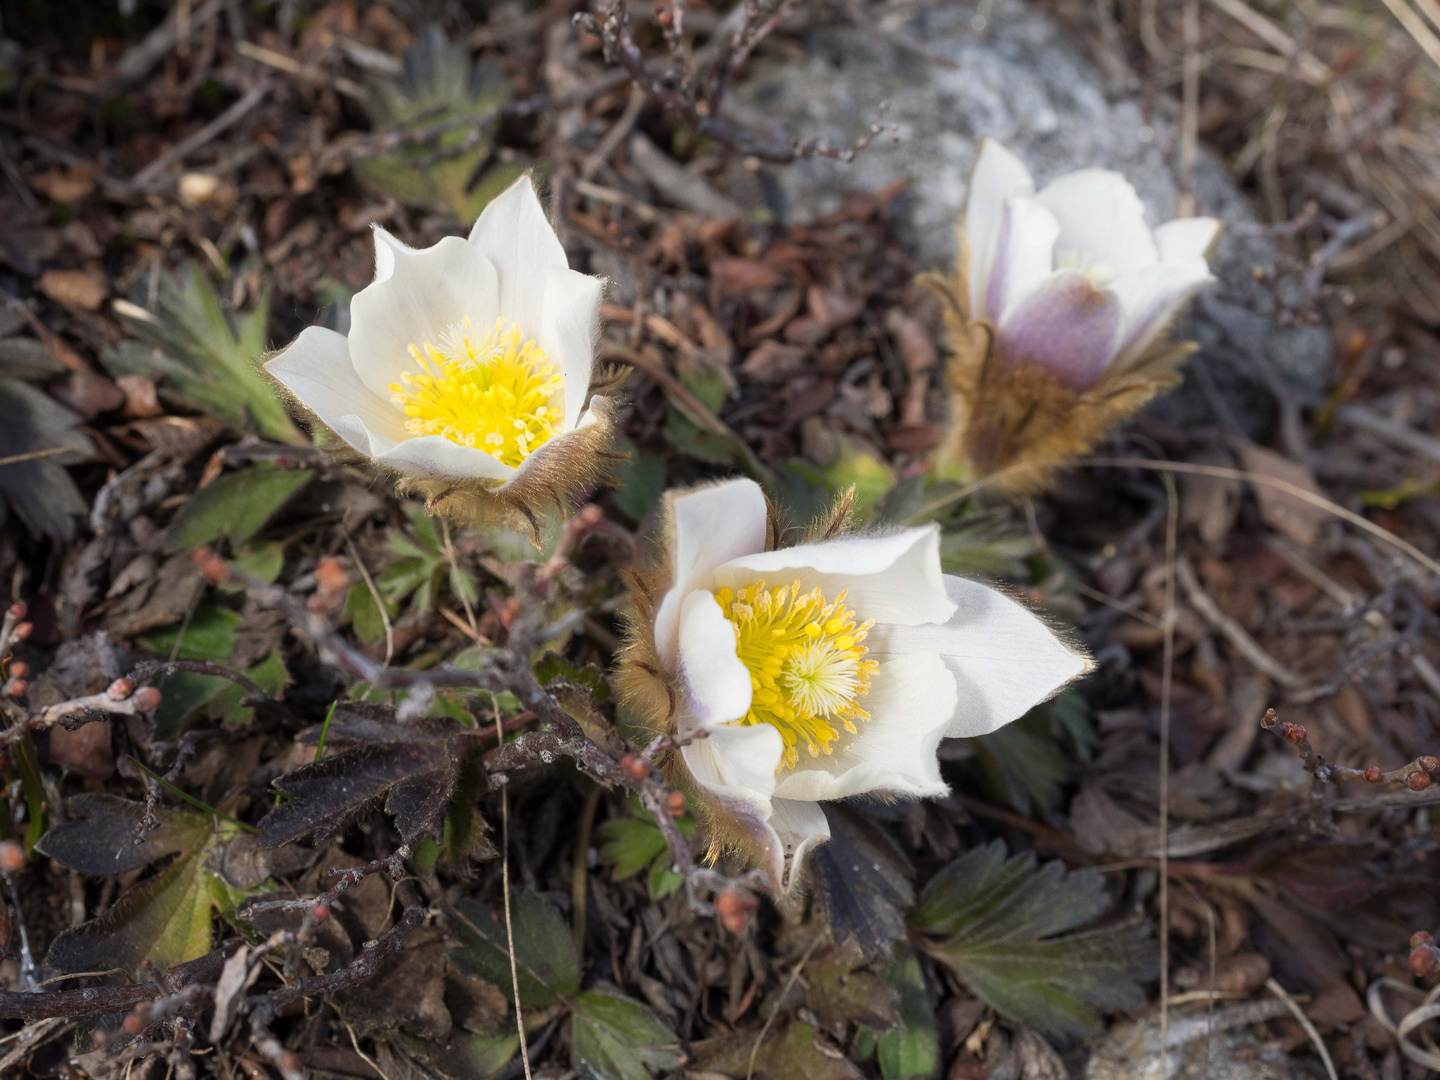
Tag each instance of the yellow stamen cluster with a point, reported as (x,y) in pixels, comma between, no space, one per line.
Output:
(807,665)
(496,392)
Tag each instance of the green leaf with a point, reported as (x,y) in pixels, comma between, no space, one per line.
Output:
(269,674)
(639,481)
(616,1038)
(811,489)
(440,83)
(912,1052)
(236,505)
(710,388)
(364,613)
(551,667)
(790,1052)
(467,1056)
(839,990)
(205,355)
(545,960)
(165,920)
(210,635)
(635,842)
(264,561)
(994,921)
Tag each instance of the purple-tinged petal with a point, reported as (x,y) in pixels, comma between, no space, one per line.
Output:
(1151,299)
(1067,326)
(1024,256)
(997,177)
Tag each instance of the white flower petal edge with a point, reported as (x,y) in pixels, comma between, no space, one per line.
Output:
(711,526)
(316,368)
(514,234)
(894,578)
(1004,660)
(717,683)
(998,177)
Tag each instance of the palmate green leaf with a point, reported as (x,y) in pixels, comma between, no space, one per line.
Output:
(205,355)
(994,920)
(439,84)
(635,842)
(545,961)
(810,489)
(616,1038)
(165,920)
(236,505)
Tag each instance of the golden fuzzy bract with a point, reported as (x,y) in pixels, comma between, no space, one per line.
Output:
(1017,423)
(651,695)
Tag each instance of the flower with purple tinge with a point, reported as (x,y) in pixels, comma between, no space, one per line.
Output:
(1060,308)
(820,671)
(1071,276)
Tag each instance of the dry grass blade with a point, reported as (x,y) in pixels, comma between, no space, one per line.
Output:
(1167,679)
(1304,1021)
(505,885)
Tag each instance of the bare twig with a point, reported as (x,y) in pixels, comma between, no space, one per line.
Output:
(1234,633)
(1416,775)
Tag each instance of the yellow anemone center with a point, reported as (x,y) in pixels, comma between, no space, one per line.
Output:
(807,665)
(495,392)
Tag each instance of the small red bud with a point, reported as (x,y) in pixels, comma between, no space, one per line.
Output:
(145,965)
(146,698)
(12,857)
(321,912)
(1268,720)
(1424,962)
(634,765)
(18,688)
(23,631)
(120,689)
(734,910)
(1429,763)
(1293,733)
(675,803)
(1373,774)
(18,609)
(1421,938)
(290,1062)
(330,576)
(19,669)
(1418,781)
(133,1025)
(210,564)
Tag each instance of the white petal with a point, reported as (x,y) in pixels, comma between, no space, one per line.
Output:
(737,764)
(1151,299)
(998,175)
(1186,238)
(1067,326)
(567,333)
(911,702)
(717,684)
(437,456)
(712,525)
(1102,222)
(427,294)
(515,235)
(1004,659)
(801,827)
(1024,255)
(894,579)
(316,368)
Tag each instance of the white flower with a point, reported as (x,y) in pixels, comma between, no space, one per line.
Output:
(468,360)
(1071,277)
(831,669)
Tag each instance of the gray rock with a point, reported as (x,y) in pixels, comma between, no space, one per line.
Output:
(1026,84)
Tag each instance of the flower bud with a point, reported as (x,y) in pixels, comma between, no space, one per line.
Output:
(146,699)
(1429,763)
(1373,774)
(321,912)
(1293,733)
(133,1024)
(1421,937)
(12,856)
(1418,781)
(120,689)
(635,766)
(1424,961)
(23,631)
(17,610)
(17,688)
(19,669)
(734,910)
(675,803)
(210,564)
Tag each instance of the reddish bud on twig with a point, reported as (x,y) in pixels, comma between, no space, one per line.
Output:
(1425,961)
(145,965)
(635,766)
(1417,781)
(1429,763)
(17,688)
(321,912)
(146,698)
(12,856)
(1373,774)
(23,631)
(19,669)
(664,18)
(1268,720)
(675,803)
(120,689)
(290,1062)
(18,609)
(330,575)
(133,1025)
(210,564)
(1293,733)
(1421,937)
(734,910)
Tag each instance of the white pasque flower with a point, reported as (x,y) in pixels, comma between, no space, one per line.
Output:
(463,359)
(1071,277)
(831,669)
